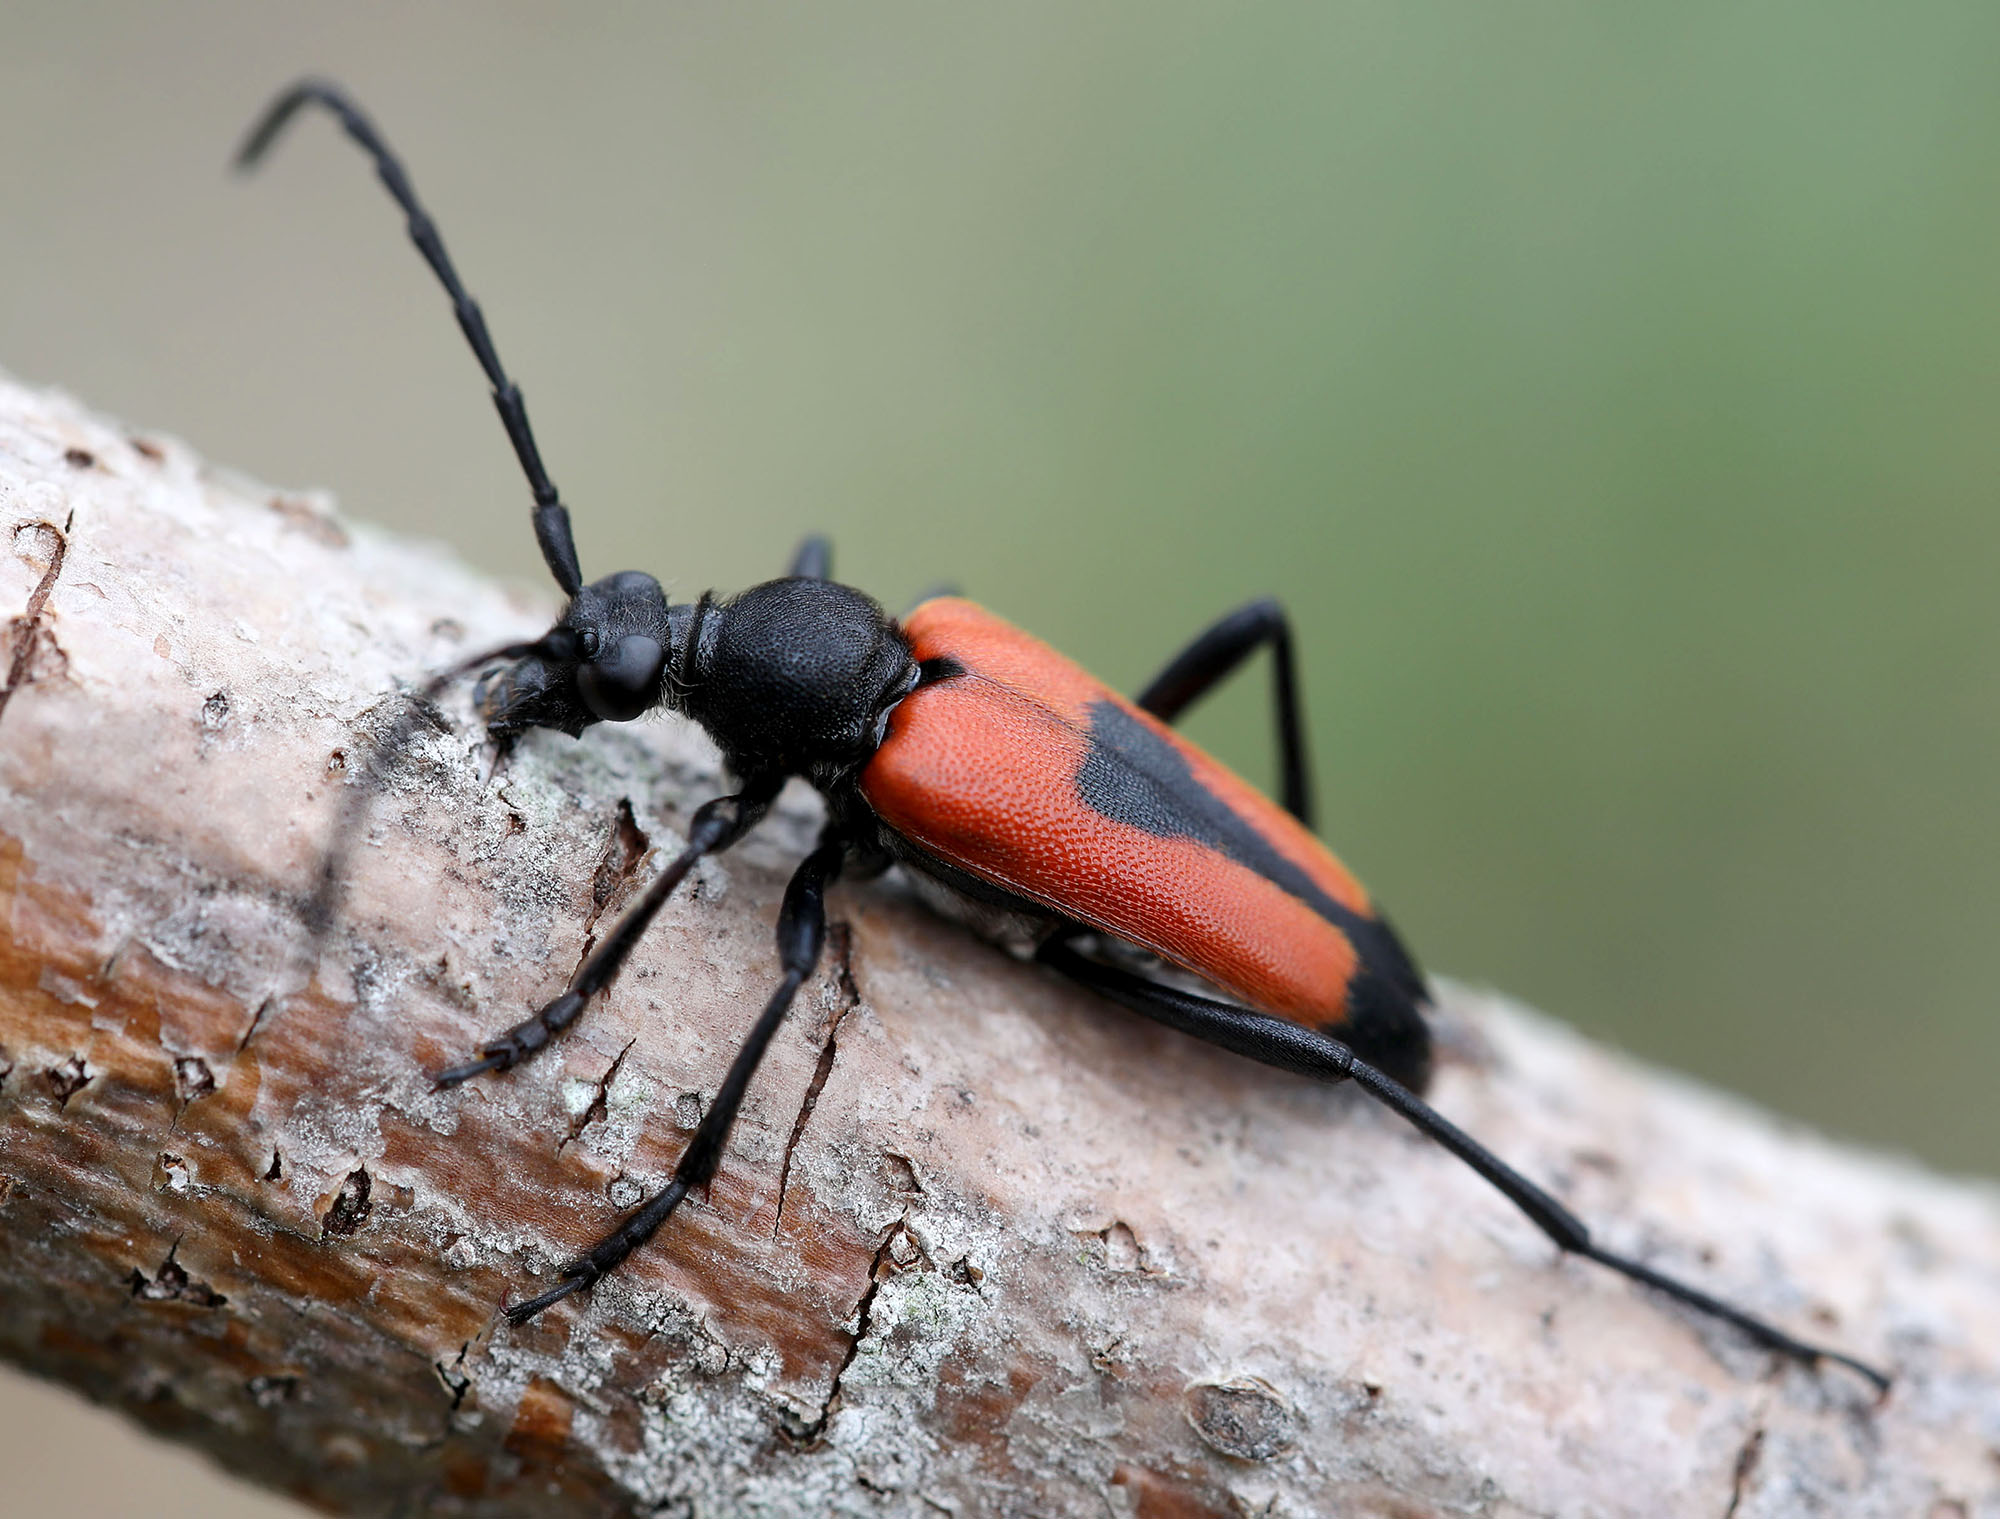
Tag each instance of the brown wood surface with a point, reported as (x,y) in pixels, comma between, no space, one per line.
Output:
(982,1244)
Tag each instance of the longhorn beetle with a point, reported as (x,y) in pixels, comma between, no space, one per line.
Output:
(1013,788)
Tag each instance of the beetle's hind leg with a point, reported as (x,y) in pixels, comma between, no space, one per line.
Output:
(1213,657)
(716,825)
(1294,1047)
(801,935)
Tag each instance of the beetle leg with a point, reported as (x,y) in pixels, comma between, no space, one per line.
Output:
(1212,657)
(1294,1047)
(716,826)
(801,934)
(813,559)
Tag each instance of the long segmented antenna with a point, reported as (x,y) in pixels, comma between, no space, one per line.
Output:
(552,529)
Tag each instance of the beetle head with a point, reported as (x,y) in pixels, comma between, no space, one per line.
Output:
(604,661)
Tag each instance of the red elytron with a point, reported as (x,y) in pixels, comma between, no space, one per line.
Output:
(1036,778)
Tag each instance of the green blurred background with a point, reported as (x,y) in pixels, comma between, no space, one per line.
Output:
(1612,393)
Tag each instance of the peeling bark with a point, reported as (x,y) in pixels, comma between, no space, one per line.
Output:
(981,1245)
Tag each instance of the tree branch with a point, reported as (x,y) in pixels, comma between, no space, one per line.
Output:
(982,1244)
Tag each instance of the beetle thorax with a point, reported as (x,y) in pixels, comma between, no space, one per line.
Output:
(792,675)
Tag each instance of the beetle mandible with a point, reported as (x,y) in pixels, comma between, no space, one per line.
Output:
(1010,785)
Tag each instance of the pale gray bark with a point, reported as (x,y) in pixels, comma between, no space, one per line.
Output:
(982,1245)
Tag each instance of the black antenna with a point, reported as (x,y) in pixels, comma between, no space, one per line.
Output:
(552,530)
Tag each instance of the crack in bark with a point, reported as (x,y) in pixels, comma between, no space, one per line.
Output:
(1746,1467)
(28,633)
(597,1108)
(193,1080)
(879,1271)
(624,851)
(351,1205)
(69,1078)
(840,944)
(455,1379)
(256,1022)
(172,1284)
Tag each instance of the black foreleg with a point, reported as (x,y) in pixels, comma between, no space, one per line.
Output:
(716,825)
(1212,657)
(1293,1047)
(801,933)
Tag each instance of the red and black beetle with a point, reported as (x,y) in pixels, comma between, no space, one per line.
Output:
(1015,790)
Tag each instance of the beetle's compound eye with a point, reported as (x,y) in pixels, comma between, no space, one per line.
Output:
(623,680)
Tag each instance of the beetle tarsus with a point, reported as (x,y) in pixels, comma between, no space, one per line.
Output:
(446,1079)
(1768,1335)
(574,1280)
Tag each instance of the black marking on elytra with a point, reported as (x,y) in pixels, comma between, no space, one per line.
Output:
(1132,775)
(1382,1021)
(941,667)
